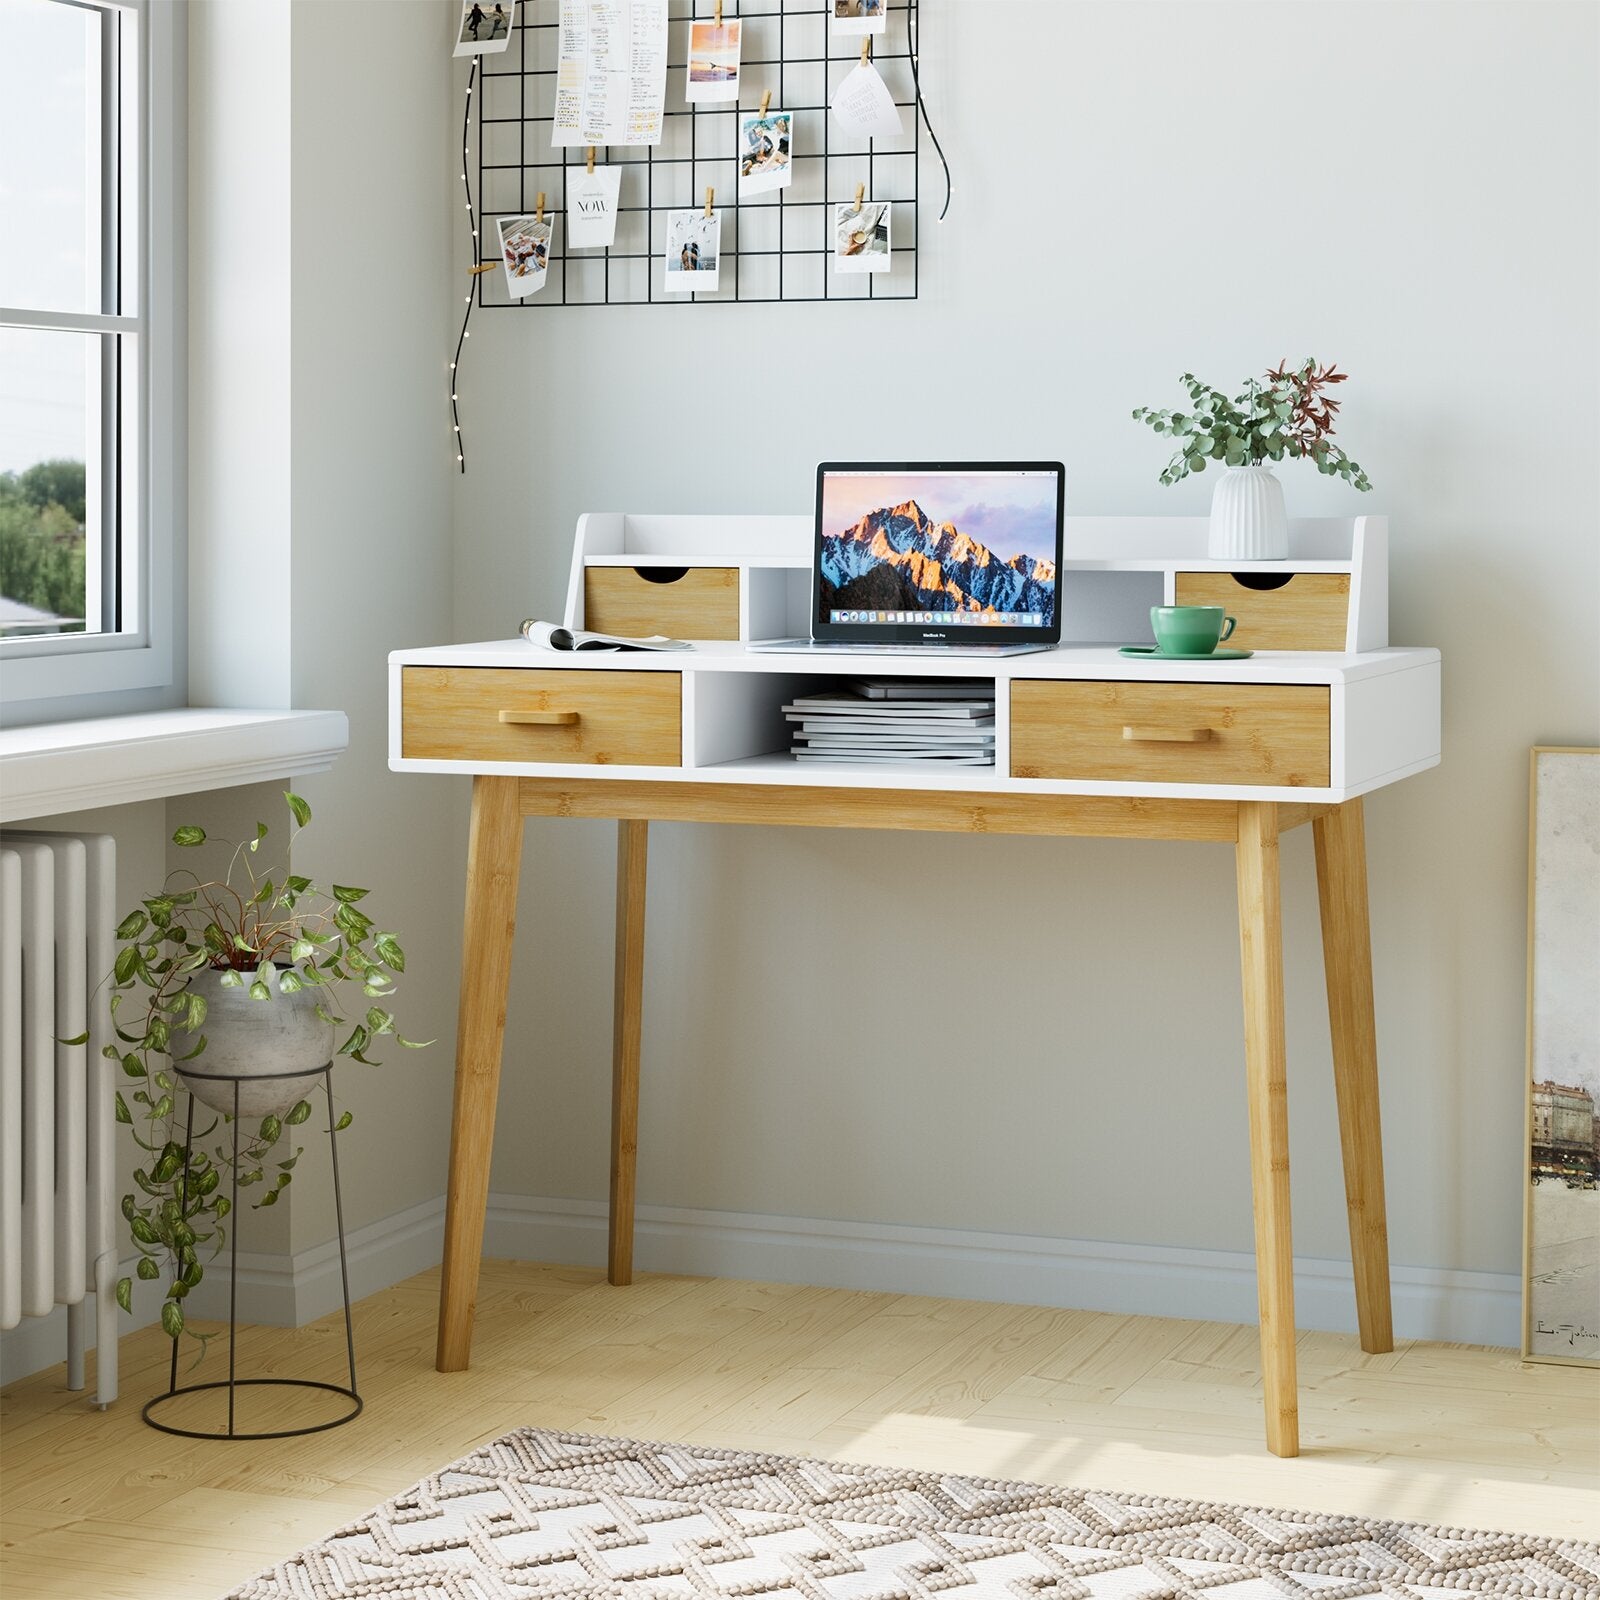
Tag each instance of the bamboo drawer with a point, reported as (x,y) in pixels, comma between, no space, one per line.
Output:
(1300,611)
(681,602)
(534,714)
(1274,734)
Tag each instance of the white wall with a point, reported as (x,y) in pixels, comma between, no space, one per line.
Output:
(1140,190)
(240,224)
(370,511)
(321,484)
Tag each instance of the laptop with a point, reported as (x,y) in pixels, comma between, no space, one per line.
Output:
(935,558)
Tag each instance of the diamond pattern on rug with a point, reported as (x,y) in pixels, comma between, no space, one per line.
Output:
(539,1515)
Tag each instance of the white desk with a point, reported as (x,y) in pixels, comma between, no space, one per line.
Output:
(1088,743)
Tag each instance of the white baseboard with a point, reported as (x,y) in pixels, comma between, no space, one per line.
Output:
(274,1291)
(286,1291)
(1145,1280)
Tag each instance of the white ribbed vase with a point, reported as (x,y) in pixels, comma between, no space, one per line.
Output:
(1248,521)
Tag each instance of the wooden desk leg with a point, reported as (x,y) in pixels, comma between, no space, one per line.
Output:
(632,840)
(1341,844)
(1261,960)
(494,857)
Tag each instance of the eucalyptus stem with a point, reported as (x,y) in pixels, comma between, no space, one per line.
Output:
(1290,415)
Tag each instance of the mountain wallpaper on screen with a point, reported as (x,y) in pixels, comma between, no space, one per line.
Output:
(898,559)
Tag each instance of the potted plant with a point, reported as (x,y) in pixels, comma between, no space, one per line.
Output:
(254,974)
(1289,413)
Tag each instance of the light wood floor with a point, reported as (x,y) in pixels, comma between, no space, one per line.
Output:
(97,1504)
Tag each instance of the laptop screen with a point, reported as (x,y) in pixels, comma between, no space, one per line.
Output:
(961,553)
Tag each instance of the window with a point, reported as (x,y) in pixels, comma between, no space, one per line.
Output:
(88,318)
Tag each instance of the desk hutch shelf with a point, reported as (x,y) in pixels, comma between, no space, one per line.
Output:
(636,575)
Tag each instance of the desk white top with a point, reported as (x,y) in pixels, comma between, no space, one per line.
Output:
(1382,711)
(1065,661)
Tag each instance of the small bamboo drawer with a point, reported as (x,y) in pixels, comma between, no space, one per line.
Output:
(573,716)
(1300,611)
(681,602)
(1274,734)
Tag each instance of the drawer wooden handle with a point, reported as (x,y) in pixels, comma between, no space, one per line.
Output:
(540,719)
(1166,735)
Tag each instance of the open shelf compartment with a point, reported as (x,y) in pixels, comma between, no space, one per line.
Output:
(737,717)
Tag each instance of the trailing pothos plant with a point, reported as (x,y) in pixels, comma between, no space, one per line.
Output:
(1286,413)
(253,925)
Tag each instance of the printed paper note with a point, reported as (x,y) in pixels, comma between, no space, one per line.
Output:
(592,207)
(611,78)
(864,106)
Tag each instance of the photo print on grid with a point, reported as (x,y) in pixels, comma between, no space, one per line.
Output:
(861,236)
(713,61)
(525,250)
(694,243)
(765,152)
(860,16)
(485,27)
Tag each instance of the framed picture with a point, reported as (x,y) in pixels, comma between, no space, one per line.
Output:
(1561,1208)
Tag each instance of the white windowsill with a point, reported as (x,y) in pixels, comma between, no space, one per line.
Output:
(108,761)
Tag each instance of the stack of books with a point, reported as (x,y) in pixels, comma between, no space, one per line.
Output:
(896,720)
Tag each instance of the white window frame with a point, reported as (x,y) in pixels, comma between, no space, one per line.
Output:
(138,664)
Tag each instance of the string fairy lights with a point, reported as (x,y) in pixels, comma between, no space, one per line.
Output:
(472,271)
(914,53)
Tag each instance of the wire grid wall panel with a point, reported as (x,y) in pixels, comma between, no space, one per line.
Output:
(774,246)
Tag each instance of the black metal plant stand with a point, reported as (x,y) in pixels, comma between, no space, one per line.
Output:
(232,1383)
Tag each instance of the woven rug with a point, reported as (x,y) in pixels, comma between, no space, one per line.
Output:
(564,1514)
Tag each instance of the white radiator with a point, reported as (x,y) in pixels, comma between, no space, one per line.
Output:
(58,1201)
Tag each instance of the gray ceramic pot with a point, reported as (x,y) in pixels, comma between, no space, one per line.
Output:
(253,1038)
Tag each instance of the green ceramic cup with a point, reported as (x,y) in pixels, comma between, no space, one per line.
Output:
(1190,630)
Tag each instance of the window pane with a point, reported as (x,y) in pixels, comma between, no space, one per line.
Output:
(50,485)
(50,157)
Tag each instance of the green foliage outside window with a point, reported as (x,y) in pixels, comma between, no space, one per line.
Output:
(42,548)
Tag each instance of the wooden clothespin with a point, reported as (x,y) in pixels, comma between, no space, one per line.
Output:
(538,210)
(711,194)
(766,100)
(866,50)
(590,165)
(483,266)
(717,14)
(861,194)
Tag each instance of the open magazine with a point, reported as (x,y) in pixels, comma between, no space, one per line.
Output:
(552,636)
